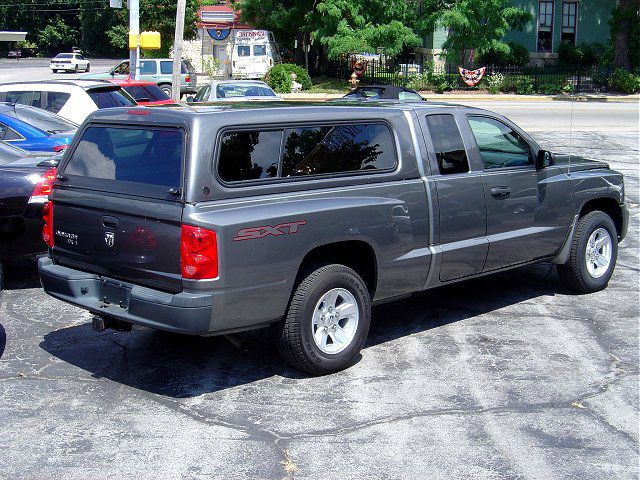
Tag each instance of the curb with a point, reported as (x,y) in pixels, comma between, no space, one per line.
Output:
(444,97)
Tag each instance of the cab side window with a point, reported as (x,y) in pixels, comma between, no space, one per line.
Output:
(500,146)
(448,145)
(148,67)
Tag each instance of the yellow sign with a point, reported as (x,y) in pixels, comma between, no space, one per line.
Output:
(148,40)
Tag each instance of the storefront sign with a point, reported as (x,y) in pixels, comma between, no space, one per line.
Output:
(219,33)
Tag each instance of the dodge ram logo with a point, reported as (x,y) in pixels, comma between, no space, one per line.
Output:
(251,233)
(109,238)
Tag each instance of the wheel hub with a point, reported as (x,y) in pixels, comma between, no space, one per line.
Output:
(598,253)
(335,321)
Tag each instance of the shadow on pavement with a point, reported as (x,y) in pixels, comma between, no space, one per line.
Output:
(183,366)
(21,273)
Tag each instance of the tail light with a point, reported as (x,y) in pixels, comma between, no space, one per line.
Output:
(47,228)
(59,148)
(42,189)
(198,253)
(187,79)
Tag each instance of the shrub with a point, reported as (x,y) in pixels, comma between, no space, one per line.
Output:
(441,83)
(279,77)
(524,86)
(516,55)
(421,81)
(585,55)
(495,82)
(623,81)
(549,89)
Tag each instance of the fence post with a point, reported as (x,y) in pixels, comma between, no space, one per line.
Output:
(578,82)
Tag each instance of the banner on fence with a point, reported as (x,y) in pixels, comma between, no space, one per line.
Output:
(472,77)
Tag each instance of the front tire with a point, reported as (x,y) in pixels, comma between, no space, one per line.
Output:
(593,255)
(88,67)
(166,89)
(76,69)
(327,321)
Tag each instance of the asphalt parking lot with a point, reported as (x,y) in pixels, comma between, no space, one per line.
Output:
(505,377)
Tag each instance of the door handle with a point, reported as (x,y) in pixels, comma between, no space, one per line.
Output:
(110,222)
(500,191)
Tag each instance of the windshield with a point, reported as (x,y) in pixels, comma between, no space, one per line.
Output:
(146,93)
(41,119)
(226,90)
(109,98)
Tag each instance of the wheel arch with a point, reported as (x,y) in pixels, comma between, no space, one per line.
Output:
(608,205)
(355,254)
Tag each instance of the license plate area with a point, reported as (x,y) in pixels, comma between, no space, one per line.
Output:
(114,293)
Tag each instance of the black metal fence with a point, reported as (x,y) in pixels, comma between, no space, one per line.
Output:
(427,76)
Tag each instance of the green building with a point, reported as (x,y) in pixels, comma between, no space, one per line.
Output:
(554,22)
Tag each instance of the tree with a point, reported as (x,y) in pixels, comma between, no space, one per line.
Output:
(479,26)
(625,34)
(348,26)
(56,37)
(340,26)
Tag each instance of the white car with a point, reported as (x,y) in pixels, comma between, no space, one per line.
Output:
(71,99)
(235,91)
(69,62)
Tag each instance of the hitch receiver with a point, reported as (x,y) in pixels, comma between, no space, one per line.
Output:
(100,324)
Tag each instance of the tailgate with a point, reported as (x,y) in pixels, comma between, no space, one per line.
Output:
(117,207)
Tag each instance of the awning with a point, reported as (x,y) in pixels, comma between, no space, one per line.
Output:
(12,36)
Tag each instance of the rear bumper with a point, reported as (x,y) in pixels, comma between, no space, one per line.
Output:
(183,312)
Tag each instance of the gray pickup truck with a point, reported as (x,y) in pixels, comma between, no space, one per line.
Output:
(222,219)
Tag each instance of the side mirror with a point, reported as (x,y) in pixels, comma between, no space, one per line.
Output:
(544,159)
(190,99)
(112,73)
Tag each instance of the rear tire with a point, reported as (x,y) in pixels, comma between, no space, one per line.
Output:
(166,89)
(327,321)
(76,69)
(88,67)
(593,254)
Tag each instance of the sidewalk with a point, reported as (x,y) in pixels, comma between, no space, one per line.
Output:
(483,97)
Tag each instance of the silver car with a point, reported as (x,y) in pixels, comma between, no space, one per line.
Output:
(235,91)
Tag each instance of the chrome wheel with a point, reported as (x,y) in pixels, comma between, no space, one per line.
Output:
(335,321)
(598,253)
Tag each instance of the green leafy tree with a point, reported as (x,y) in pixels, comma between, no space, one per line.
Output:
(340,26)
(56,37)
(479,26)
(158,16)
(347,26)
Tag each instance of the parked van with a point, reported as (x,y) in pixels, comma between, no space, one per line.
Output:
(254,53)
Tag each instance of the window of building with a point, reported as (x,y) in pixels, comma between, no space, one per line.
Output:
(448,145)
(545,27)
(569,22)
(500,146)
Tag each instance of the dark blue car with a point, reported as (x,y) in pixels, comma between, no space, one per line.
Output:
(34,129)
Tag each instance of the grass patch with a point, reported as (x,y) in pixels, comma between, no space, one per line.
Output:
(328,85)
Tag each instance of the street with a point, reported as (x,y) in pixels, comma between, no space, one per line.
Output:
(505,377)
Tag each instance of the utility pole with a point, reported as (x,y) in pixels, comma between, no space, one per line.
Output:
(134,29)
(177,51)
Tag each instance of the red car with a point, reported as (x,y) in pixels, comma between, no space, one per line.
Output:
(145,93)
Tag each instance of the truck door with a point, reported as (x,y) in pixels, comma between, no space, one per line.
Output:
(522,221)
(461,220)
